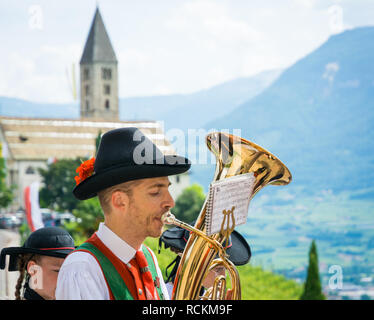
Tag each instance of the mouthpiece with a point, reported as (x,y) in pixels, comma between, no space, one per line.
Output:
(168,218)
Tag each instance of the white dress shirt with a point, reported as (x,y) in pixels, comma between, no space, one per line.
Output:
(169,287)
(81,277)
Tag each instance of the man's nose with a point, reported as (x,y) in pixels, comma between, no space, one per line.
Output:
(169,202)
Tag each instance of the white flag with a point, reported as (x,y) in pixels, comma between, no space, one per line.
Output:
(33,213)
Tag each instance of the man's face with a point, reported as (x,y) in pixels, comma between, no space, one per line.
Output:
(149,201)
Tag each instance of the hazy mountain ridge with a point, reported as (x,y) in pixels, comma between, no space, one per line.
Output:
(14,107)
(318,115)
(167,108)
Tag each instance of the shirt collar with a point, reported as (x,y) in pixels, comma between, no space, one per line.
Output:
(117,245)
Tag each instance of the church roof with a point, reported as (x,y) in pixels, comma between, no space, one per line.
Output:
(98,47)
(43,139)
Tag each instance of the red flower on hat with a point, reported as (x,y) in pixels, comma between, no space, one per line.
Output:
(85,170)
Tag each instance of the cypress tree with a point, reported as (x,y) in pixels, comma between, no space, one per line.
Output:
(6,193)
(97,141)
(312,285)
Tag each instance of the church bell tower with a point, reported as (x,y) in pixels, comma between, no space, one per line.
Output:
(98,75)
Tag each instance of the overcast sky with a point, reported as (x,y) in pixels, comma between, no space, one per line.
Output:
(164,46)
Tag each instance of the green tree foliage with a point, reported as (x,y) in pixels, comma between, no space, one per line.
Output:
(89,215)
(312,285)
(189,203)
(24,231)
(59,182)
(6,193)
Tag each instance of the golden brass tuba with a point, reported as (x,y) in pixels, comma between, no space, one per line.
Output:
(234,156)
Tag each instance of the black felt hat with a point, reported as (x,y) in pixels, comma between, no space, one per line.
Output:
(237,248)
(48,241)
(127,154)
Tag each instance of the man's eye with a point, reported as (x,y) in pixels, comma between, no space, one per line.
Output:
(155,193)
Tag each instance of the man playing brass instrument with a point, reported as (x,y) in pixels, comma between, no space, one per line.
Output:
(130,178)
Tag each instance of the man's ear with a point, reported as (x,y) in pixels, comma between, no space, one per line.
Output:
(120,200)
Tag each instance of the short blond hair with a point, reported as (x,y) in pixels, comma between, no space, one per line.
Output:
(105,196)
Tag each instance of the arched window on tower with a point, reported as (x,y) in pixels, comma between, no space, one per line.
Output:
(107,105)
(106,89)
(86,74)
(106,73)
(30,170)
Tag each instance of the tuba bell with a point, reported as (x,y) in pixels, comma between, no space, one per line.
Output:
(234,156)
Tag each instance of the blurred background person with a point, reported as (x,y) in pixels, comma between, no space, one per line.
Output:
(38,261)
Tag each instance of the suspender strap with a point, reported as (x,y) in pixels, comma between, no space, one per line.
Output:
(119,280)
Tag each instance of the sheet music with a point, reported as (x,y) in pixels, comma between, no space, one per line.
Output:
(225,194)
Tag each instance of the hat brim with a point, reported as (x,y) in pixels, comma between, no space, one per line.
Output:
(99,181)
(239,252)
(14,253)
